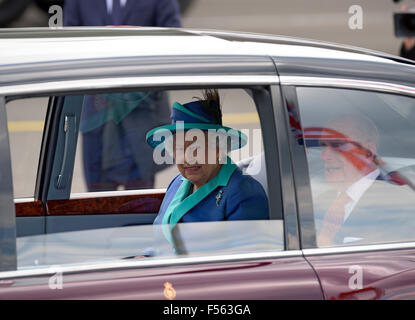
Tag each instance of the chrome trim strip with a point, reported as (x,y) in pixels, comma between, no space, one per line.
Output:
(134,82)
(347,83)
(357,248)
(143,263)
(121,193)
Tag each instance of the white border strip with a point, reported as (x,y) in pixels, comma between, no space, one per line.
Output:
(144,263)
(131,82)
(348,83)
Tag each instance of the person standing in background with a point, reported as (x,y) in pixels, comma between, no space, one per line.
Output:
(145,13)
(113,126)
(408,45)
(408,48)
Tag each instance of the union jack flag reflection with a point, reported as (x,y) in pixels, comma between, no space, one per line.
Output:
(349,151)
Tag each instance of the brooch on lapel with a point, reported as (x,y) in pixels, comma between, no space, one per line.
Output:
(218,197)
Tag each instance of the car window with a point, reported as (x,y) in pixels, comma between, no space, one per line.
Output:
(361,160)
(150,243)
(25,120)
(110,165)
(112,153)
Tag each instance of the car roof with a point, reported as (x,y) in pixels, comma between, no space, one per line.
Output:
(27,52)
(35,39)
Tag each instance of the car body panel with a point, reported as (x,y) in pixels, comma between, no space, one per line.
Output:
(375,274)
(288,278)
(224,275)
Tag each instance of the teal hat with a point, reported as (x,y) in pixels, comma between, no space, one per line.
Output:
(195,115)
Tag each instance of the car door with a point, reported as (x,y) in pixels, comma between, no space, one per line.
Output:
(252,260)
(355,137)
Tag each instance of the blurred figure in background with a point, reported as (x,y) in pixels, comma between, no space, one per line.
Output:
(408,45)
(408,48)
(113,126)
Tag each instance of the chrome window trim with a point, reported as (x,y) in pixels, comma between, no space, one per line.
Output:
(143,263)
(347,83)
(344,83)
(358,249)
(134,82)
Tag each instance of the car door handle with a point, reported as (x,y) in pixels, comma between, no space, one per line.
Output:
(70,138)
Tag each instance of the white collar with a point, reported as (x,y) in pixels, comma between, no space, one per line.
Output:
(357,189)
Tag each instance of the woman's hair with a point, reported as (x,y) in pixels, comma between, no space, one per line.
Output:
(211,104)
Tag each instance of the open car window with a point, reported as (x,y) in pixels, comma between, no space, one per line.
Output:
(112,153)
(106,188)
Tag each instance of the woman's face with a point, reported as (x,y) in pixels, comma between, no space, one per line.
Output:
(193,159)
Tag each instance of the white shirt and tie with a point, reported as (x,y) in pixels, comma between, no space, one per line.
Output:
(110,5)
(356,191)
(342,208)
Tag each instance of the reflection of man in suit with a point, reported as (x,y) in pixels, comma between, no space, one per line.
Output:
(365,202)
(114,125)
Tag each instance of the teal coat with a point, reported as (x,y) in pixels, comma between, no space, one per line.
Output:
(231,195)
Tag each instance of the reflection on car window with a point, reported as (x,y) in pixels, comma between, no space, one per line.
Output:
(117,147)
(113,154)
(361,158)
(190,239)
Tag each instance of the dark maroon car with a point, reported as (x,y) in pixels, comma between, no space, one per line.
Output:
(331,140)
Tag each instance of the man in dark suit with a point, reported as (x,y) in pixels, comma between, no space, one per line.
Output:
(408,44)
(113,126)
(366,204)
(150,13)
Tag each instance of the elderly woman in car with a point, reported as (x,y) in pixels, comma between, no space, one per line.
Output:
(209,187)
